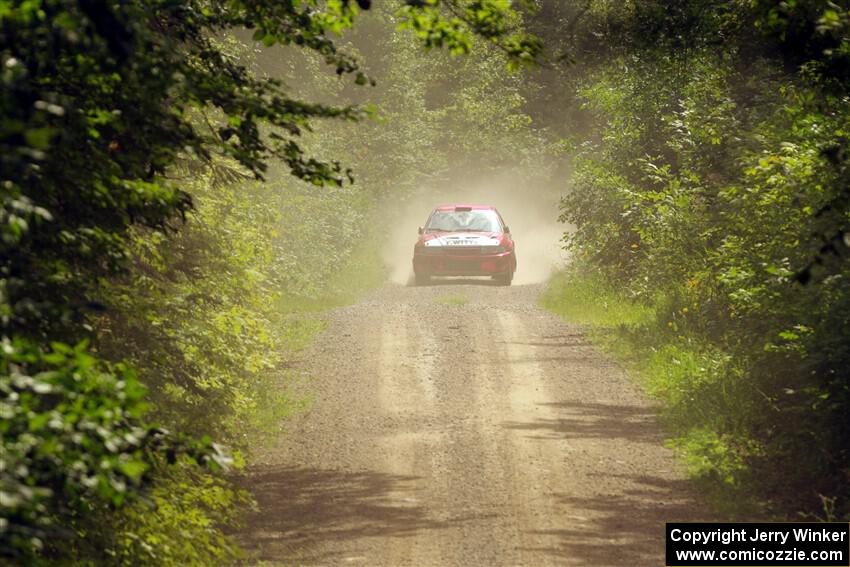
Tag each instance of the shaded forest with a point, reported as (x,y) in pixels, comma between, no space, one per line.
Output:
(186,184)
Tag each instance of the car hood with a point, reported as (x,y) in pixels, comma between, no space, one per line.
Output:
(462,239)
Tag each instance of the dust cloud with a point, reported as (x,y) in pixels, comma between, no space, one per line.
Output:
(529,208)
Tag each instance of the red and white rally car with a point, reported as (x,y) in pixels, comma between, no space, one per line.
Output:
(464,240)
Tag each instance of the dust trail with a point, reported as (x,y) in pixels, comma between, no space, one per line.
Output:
(529,207)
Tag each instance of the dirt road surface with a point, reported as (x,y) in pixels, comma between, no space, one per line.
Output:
(447,433)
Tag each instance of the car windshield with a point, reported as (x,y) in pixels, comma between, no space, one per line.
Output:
(483,220)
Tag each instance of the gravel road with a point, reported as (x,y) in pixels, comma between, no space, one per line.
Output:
(459,424)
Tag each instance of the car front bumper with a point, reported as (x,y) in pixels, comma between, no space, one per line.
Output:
(454,264)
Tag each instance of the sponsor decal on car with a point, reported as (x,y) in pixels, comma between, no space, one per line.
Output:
(463,240)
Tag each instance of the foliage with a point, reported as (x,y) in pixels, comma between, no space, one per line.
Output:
(97,102)
(178,524)
(108,109)
(208,332)
(454,24)
(116,124)
(73,437)
(713,190)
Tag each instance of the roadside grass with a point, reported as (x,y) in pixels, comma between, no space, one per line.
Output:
(698,386)
(453,299)
(590,300)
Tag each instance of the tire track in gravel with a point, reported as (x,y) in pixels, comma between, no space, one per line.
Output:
(535,461)
(489,433)
(406,390)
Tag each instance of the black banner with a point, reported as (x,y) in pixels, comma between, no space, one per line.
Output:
(805,544)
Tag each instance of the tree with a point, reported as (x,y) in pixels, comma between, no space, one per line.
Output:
(98,103)
(712,187)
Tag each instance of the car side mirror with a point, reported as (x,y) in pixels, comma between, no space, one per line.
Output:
(508,229)
(421,230)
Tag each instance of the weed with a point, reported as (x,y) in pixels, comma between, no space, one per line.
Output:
(454,299)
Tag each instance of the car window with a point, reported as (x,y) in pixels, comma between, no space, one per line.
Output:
(484,220)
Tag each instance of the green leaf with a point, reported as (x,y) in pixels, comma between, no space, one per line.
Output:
(133,469)
(39,138)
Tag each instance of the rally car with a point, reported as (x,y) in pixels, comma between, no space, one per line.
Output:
(464,240)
